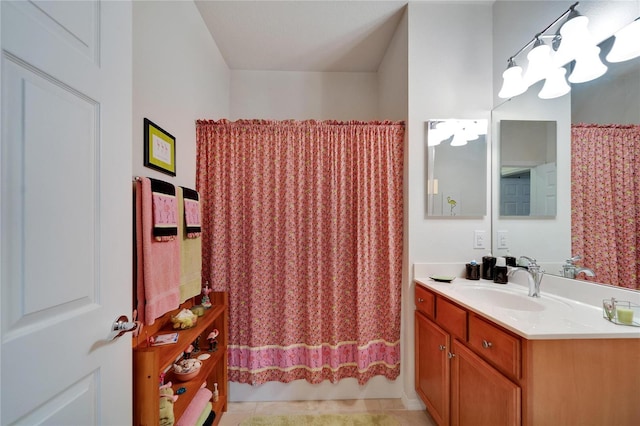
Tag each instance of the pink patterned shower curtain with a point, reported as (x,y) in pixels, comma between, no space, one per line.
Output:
(303,226)
(605,199)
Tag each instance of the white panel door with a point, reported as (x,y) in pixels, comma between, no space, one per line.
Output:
(544,189)
(65,212)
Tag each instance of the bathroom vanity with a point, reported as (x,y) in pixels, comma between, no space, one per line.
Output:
(489,354)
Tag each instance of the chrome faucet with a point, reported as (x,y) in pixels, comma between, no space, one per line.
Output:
(571,270)
(534,275)
(587,272)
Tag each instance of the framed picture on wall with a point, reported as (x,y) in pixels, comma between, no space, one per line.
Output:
(159,149)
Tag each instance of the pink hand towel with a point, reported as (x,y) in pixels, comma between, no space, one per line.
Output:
(158,262)
(192,213)
(194,409)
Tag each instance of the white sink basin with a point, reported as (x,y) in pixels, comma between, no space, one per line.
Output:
(551,316)
(507,299)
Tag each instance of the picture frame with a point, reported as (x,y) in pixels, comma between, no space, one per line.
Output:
(159,148)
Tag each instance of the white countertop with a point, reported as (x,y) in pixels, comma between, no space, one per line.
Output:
(549,317)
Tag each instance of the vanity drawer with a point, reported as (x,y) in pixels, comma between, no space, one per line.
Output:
(452,318)
(496,345)
(425,301)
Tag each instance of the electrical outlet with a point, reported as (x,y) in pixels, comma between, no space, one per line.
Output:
(479,240)
(503,240)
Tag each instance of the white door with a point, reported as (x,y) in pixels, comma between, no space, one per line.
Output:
(544,190)
(65,212)
(515,195)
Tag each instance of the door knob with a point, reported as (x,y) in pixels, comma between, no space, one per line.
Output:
(120,326)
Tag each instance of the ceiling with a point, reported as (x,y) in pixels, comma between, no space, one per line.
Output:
(303,35)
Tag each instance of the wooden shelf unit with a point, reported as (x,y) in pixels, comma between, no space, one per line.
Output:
(150,361)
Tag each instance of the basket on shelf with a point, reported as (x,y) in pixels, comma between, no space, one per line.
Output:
(186,369)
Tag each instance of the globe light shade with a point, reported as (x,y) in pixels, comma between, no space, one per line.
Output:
(469,132)
(540,63)
(588,66)
(434,137)
(459,138)
(479,127)
(574,39)
(439,131)
(555,85)
(626,45)
(512,82)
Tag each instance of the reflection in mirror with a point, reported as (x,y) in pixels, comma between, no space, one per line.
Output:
(528,168)
(613,100)
(456,168)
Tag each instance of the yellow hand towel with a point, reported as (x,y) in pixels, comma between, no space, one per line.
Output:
(190,256)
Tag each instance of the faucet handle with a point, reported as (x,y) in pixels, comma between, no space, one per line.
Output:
(574,259)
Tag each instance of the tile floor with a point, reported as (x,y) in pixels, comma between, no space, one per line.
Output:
(238,411)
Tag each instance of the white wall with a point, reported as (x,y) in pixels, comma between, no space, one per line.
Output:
(618,100)
(449,77)
(393,104)
(178,76)
(280,95)
(393,76)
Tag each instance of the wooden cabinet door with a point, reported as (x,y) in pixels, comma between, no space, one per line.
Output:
(480,394)
(432,367)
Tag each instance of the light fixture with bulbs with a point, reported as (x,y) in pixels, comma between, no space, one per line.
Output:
(458,132)
(573,55)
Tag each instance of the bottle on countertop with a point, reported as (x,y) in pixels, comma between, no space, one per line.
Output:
(473,270)
(488,263)
(511,261)
(500,272)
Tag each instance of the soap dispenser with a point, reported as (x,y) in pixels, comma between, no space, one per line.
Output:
(511,261)
(473,270)
(488,263)
(500,272)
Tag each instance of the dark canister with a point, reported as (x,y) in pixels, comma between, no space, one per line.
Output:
(511,261)
(473,270)
(500,271)
(488,263)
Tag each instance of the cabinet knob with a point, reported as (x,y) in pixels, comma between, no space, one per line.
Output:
(420,300)
(442,347)
(451,355)
(486,345)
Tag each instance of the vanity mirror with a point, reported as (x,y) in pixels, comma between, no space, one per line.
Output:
(528,168)
(456,168)
(611,99)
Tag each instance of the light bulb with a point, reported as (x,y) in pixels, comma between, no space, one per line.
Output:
(588,66)
(575,38)
(459,138)
(513,84)
(626,45)
(540,63)
(555,85)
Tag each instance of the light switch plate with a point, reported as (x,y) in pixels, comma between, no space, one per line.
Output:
(479,240)
(503,240)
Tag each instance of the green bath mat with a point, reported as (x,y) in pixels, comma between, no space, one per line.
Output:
(322,420)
